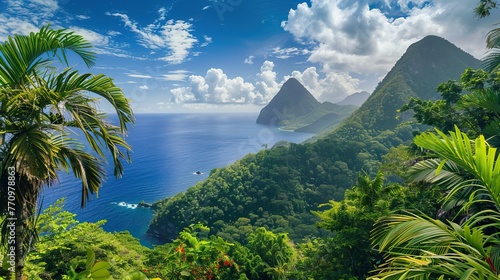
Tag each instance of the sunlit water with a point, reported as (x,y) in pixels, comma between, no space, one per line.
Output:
(169,152)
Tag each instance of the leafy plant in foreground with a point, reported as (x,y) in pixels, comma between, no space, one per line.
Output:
(419,247)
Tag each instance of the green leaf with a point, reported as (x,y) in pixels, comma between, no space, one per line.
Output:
(100,271)
(90,259)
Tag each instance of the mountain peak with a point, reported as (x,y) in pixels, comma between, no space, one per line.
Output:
(292,100)
(425,64)
(291,81)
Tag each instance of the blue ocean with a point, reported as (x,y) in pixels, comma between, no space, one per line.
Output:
(171,152)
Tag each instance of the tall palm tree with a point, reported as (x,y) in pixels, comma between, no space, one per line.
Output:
(419,247)
(41,112)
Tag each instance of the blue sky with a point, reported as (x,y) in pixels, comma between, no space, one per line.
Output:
(214,55)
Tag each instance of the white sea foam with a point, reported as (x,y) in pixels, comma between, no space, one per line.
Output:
(124,204)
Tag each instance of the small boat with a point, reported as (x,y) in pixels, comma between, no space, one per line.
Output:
(198,173)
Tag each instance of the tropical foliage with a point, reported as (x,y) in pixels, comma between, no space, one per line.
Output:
(39,108)
(491,62)
(420,247)
(265,212)
(471,104)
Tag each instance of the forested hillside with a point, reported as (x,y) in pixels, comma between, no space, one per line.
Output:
(297,211)
(425,64)
(408,187)
(278,188)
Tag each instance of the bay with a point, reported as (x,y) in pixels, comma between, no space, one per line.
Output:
(168,150)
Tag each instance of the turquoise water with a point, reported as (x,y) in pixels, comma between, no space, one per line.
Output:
(168,150)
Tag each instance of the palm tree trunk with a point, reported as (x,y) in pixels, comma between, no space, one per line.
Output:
(26,201)
(21,217)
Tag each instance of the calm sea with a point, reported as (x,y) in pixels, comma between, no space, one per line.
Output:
(168,150)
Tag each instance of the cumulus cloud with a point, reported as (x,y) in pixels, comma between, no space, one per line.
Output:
(215,87)
(332,86)
(354,37)
(144,87)
(266,83)
(173,36)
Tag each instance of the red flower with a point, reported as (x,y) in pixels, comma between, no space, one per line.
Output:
(226,263)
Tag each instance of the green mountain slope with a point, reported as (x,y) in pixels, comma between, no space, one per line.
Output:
(324,116)
(425,65)
(278,188)
(325,122)
(356,99)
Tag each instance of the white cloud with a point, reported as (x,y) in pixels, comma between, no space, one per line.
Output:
(407,5)
(10,25)
(284,53)
(141,76)
(163,12)
(216,87)
(37,12)
(332,86)
(249,60)
(82,17)
(25,16)
(266,84)
(350,37)
(208,40)
(96,39)
(173,37)
(175,75)
(143,87)
(114,33)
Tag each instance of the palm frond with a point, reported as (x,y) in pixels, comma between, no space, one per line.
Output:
(491,62)
(85,166)
(418,246)
(427,171)
(69,85)
(488,99)
(480,160)
(493,38)
(23,56)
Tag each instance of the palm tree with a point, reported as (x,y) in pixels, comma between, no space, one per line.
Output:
(41,112)
(492,59)
(419,247)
